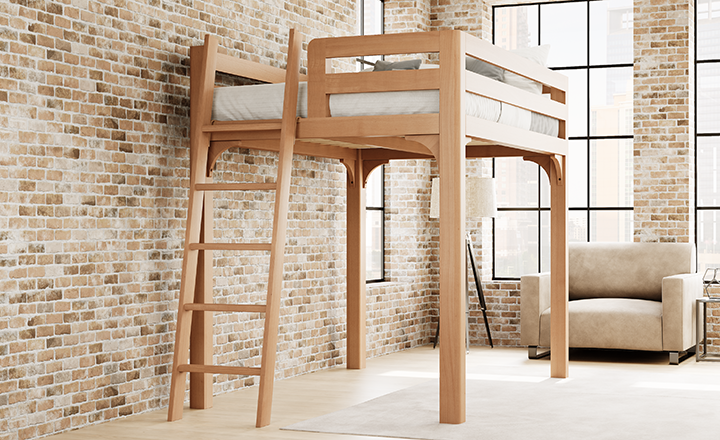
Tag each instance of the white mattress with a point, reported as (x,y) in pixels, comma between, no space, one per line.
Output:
(264,101)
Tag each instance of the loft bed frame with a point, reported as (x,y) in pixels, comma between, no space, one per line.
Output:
(362,143)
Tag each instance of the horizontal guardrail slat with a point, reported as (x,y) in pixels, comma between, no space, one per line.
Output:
(274,124)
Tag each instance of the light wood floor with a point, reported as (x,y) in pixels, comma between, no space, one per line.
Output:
(304,397)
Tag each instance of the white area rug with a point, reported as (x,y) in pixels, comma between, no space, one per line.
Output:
(527,408)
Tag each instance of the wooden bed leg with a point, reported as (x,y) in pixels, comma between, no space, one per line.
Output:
(200,88)
(201,333)
(356,325)
(559,339)
(451,165)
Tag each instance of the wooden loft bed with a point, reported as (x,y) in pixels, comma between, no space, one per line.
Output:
(363,143)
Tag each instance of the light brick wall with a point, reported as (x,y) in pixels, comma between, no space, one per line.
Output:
(407,16)
(664,149)
(466,15)
(93,189)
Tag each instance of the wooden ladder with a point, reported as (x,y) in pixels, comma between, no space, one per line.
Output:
(193,337)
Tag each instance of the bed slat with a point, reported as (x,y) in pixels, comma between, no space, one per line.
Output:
(498,91)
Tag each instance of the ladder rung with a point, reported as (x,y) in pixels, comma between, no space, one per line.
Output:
(235,186)
(249,308)
(219,369)
(274,124)
(230,246)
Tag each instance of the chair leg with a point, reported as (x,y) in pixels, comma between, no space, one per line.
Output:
(534,354)
(678,356)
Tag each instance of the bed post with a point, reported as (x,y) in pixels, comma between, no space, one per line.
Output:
(451,165)
(203,60)
(356,326)
(559,333)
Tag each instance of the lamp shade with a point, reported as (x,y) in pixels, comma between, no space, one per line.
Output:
(479,197)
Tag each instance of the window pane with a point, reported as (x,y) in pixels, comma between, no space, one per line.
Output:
(516,27)
(577,102)
(611,101)
(708,164)
(564,27)
(545,241)
(611,32)
(577,174)
(708,98)
(516,243)
(708,245)
(544,189)
(577,226)
(374,245)
(372,17)
(516,183)
(374,189)
(611,173)
(708,29)
(371,24)
(577,231)
(611,226)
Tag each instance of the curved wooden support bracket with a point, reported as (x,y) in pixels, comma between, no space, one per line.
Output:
(350,166)
(369,166)
(216,149)
(559,172)
(432,142)
(549,164)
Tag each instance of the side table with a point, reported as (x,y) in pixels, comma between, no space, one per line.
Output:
(701,337)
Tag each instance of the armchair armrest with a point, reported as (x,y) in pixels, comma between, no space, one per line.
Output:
(679,293)
(534,299)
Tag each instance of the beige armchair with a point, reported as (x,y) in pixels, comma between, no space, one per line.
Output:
(633,296)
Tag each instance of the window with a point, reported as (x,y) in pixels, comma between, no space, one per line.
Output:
(371,23)
(591,43)
(375,226)
(707,131)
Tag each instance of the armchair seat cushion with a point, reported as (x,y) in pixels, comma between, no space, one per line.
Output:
(623,323)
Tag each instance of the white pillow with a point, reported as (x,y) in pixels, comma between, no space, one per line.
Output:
(537,54)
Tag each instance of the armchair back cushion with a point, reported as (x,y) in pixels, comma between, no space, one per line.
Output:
(625,270)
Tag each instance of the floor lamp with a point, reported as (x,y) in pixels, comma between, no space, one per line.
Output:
(480,202)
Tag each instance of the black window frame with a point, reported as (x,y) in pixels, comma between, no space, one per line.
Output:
(588,139)
(697,135)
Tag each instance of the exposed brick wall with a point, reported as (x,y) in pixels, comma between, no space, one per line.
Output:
(663,119)
(407,16)
(93,120)
(466,15)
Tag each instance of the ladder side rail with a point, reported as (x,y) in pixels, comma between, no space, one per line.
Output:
(282,197)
